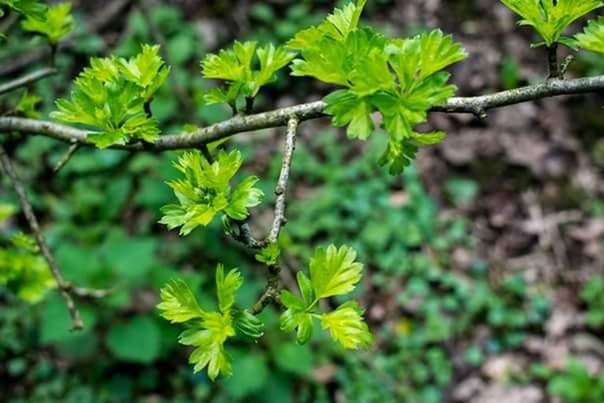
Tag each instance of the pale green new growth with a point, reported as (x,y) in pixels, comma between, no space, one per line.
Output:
(332,272)
(593,36)
(269,254)
(346,326)
(178,302)
(54,23)
(22,268)
(208,331)
(402,79)
(236,66)
(551,17)
(110,96)
(205,191)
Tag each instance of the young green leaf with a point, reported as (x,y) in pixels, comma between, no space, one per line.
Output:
(55,23)
(110,96)
(209,338)
(247,324)
(178,303)
(147,70)
(296,317)
(269,254)
(205,191)
(235,65)
(226,287)
(592,38)
(346,326)
(334,271)
(27,105)
(208,331)
(551,17)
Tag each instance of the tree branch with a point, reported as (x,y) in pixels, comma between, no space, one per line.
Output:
(66,288)
(239,124)
(280,190)
(26,79)
(271,292)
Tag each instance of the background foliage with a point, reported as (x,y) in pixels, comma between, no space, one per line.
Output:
(440,305)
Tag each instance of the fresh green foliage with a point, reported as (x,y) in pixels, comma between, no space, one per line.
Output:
(575,385)
(333,272)
(551,17)
(55,23)
(237,67)
(110,96)
(22,269)
(593,296)
(27,105)
(205,191)
(29,8)
(269,254)
(402,79)
(208,331)
(593,36)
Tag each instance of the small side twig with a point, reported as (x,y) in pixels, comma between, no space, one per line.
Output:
(70,152)
(290,145)
(27,79)
(65,288)
(271,292)
(552,57)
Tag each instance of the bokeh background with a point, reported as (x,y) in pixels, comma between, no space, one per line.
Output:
(485,261)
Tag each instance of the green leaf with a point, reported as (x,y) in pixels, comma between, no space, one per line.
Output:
(209,338)
(247,324)
(551,17)
(346,326)
(269,254)
(592,38)
(27,105)
(110,96)
(147,70)
(236,66)
(336,26)
(55,23)
(226,287)
(306,288)
(271,60)
(349,109)
(420,57)
(231,64)
(137,340)
(205,191)
(296,317)
(179,303)
(334,271)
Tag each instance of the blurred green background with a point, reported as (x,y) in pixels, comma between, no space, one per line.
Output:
(457,314)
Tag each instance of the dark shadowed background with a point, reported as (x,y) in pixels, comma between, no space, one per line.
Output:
(485,261)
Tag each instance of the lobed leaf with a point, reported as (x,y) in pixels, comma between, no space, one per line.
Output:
(551,17)
(592,38)
(54,22)
(226,287)
(347,327)
(334,271)
(178,302)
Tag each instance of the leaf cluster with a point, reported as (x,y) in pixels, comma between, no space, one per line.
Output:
(111,95)
(206,191)
(333,272)
(551,17)
(592,295)
(208,331)
(399,78)
(54,23)
(22,269)
(245,67)
(592,38)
